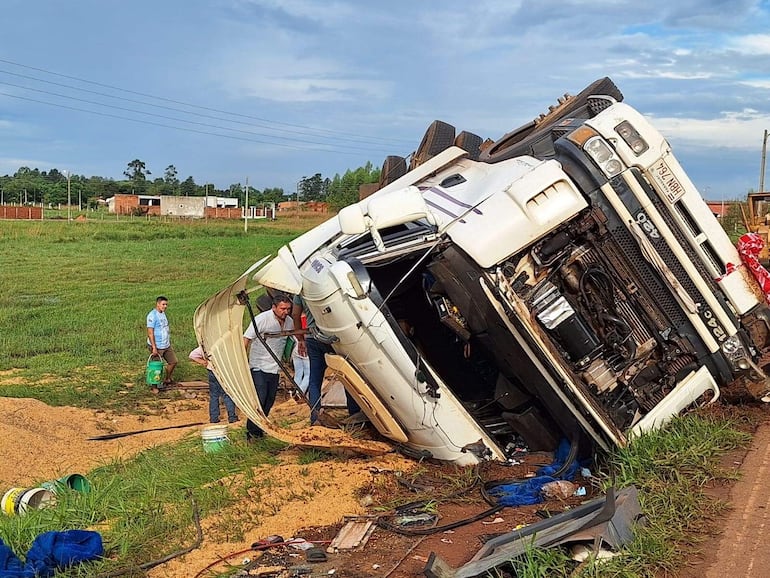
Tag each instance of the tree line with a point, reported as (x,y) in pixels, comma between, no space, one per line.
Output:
(55,187)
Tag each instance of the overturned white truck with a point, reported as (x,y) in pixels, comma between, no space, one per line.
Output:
(570,283)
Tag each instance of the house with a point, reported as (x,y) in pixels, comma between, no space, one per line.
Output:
(179,206)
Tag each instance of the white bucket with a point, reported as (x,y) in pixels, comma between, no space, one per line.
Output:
(17,501)
(35,499)
(214,438)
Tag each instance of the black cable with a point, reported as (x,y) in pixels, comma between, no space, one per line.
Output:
(196,123)
(163,99)
(198,114)
(428,531)
(151,564)
(234,137)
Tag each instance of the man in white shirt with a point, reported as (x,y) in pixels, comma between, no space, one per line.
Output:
(264,368)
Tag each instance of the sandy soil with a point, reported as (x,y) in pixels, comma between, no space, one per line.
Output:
(40,443)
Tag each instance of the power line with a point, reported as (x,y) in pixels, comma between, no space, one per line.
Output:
(234,137)
(183,120)
(175,109)
(163,99)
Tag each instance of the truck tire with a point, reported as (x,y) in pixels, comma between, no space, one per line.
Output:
(535,137)
(393,168)
(469,142)
(439,137)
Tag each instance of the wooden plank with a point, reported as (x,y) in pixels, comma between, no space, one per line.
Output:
(354,534)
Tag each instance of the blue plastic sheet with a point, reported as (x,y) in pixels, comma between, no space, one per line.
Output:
(528,492)
(49,552)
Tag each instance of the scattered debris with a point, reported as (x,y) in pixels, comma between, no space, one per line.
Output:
(560,489)
(354,533)
(608,520)
(315,554)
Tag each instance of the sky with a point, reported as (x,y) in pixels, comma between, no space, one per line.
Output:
(276,90)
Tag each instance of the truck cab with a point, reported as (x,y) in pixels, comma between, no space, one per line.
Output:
(579,288)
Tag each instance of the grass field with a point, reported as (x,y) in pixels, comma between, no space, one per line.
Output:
(74,296)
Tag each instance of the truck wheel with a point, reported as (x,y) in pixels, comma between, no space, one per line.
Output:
(469,142)
(393,168)
(534,138)
(439,137)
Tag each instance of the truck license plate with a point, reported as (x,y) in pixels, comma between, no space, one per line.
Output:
(667,181)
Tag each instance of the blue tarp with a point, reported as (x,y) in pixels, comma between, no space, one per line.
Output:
(527,492)
(49,552)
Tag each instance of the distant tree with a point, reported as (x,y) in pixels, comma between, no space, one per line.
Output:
(169,176)
(188,187)
(343,191)
(235,191)
(273,195)
(136,171)
(732,221)
(311,188)
(137,174)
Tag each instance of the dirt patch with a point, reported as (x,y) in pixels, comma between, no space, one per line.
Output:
(42,443)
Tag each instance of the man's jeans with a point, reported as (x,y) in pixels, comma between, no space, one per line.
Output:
(315,352)
(215,393)
(266,385)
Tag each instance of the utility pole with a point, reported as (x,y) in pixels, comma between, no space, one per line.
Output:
(246,209)
(69,197)
(762,168)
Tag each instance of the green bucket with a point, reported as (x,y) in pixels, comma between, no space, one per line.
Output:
(154,371)
(77,482)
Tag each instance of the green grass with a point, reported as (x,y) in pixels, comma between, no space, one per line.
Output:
(73,302)
(74,296)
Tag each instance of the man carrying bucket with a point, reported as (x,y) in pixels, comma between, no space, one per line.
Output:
(159,338)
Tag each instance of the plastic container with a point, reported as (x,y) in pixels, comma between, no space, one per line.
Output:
(214,438)
(154,374)
(18,500)
(34,499)
(10,499)
(77,482)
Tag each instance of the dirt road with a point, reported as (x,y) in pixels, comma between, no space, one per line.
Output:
(742,546)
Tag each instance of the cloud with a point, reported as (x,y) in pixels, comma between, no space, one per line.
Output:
(740,130)
(10,165)
(327,13)
(288,78)
(751,44)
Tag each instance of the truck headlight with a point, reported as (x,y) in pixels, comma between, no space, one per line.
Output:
(603,156)
(632,138)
